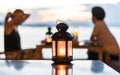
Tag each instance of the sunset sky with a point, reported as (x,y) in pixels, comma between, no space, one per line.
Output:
(52,10)
(49,11)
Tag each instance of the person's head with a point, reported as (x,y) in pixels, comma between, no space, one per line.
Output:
(20,15)
(98,13)
(16,12)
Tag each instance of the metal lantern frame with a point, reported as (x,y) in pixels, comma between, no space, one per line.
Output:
(62,45)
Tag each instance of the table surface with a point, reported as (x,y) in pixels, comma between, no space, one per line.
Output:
(46,67)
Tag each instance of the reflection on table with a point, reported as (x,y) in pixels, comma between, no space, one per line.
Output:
(47,67)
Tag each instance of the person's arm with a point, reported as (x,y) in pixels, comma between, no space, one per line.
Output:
(92,37)
(94,34)
(8,16)
(24,17)
(19,19)
(8,23)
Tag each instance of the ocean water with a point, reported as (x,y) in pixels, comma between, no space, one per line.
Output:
(32,36)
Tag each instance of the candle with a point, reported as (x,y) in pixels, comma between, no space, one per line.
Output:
(61,49)
(62,52)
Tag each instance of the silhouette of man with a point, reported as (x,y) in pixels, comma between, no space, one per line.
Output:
(103,35)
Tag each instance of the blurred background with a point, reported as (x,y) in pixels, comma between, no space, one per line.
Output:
(46,13)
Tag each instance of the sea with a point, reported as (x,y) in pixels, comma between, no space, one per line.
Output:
(31,36)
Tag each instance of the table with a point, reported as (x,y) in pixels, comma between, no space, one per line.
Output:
(18,55)
(38,50)
(47,67)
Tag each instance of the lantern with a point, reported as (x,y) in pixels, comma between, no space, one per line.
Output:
(62,69)
(48,36)
(62,45)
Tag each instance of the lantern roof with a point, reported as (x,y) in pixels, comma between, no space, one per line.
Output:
(62,34)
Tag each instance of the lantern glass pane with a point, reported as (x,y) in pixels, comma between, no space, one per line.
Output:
(70,48)
(61,49)
(53,48)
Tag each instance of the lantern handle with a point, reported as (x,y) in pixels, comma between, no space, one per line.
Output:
(62,27)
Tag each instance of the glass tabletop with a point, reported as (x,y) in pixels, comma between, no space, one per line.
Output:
(48,67)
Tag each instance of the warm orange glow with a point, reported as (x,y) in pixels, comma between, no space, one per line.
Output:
(65,13)
(75,10)
(69,48)
(49,40)
(61,49)
(53,48)
(62,53)
(61,70)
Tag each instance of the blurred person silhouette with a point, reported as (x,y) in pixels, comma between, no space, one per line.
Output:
(17,64)
(11,35)
(102,35)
